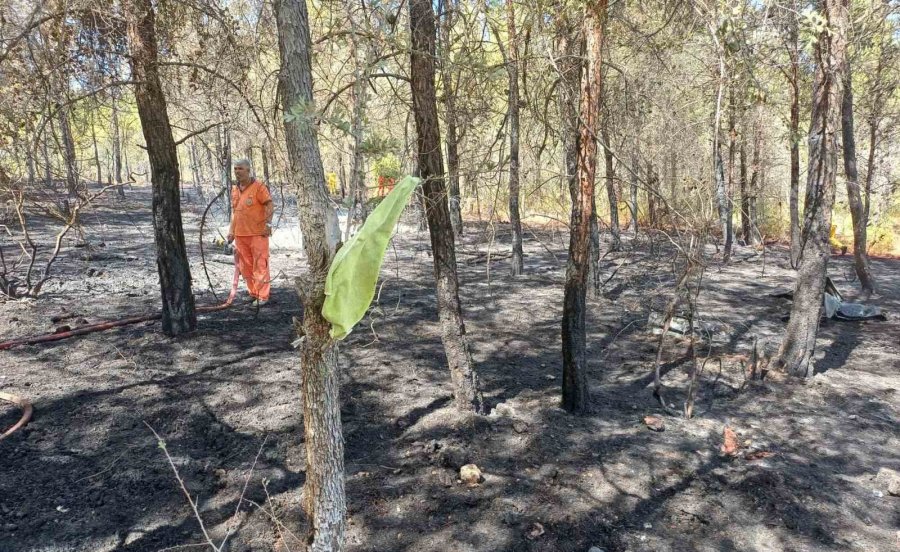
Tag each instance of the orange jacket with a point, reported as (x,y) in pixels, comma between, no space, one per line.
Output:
(248,209)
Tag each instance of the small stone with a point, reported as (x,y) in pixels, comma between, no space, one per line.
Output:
(654,423)
(596,549)
(878,494)
(536,531)
(890,480)
(470,474)
(549,377)
(520,426)
(648,526)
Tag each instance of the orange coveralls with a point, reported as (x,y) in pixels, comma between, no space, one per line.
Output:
(249,227)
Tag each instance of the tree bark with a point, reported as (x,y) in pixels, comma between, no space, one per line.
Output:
(633,181)
(796,352)
(451,116)
(611,188)
(757,179)
(96,152)
(746,227)
(725,194)
(116,148)
(575,391)
(362,56)
(225,166)
(431,169)
(324,497)
(794,81)
(857,209)
(178,315)
(571,47)
(512,68)
(65,129)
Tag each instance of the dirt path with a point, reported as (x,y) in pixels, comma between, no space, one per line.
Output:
(87,474)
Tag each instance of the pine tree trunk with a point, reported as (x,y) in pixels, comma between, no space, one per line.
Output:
(452,141)
(65,129)
(264,153)
(857,209)
(178,315)
(195,168)
(746,227)
(48,167)
(363,61)
(726,201)
(756,182)
(794,131)
(611,188)
(575,391)
(512,67)
(570,66)
(633,179)
(96,152)
(225,166)
(796,352)
(453,332)
(323,492)
(116,149)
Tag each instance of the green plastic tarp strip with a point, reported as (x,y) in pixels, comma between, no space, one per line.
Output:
(350,285)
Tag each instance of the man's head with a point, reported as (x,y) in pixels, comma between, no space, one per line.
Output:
(243,171)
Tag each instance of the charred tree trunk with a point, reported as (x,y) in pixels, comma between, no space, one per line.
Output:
(45,151)
(796,352)
(225,166)
(96,153)
(726,201)
(362,55)
(195,168)
(178,315)
(65,130)
(857,209)
(571,49)
(575,391)
(264,153)
(324,497)
(633,180)
(720,190)
(116,149)
(452,141)
(794,81)
(757,179)
(512,68)
(431,169)
(611,187)
(652,195)
(746,227)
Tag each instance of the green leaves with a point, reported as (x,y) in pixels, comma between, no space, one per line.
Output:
(350,285)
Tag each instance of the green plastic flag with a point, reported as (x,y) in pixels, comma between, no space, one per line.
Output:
(350,285)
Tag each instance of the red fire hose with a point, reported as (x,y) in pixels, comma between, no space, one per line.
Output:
(26,413)
(100,326)
(26,407)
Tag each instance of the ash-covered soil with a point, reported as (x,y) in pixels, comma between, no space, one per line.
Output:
(88,475)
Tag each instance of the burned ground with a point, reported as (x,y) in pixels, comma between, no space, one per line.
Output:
(88,475)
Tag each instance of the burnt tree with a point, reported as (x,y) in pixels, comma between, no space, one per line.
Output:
(512,69)
(858,212)
(178,314)
(323,493)
(431,169)
(798,346)
(575,395)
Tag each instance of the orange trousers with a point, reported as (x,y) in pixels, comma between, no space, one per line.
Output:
(253,255)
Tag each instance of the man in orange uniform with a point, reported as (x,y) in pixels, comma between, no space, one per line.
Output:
(251,217)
